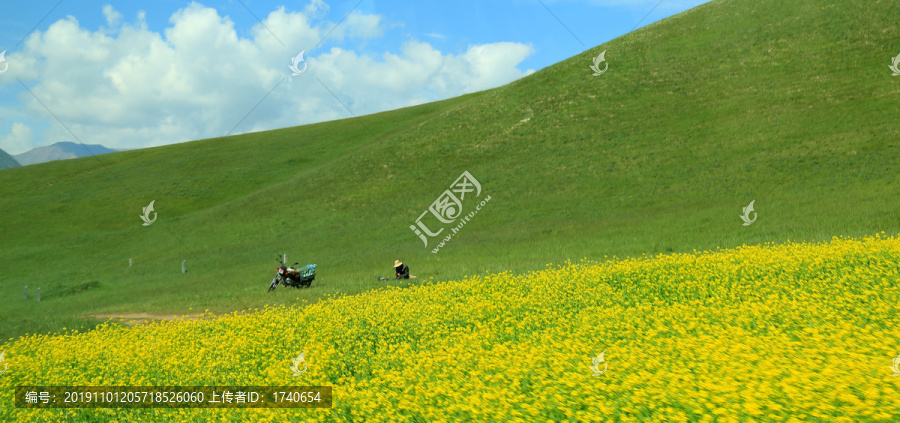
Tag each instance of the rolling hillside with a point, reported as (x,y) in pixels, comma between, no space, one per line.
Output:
(61,151)
(789,104)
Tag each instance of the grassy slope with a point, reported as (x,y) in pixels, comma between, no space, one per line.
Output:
(786,103)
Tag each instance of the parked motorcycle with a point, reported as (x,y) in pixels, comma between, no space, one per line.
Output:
(290,276)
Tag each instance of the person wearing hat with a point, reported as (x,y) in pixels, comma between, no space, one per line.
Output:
(401,269)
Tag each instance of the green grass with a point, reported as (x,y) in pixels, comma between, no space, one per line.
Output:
(790,104)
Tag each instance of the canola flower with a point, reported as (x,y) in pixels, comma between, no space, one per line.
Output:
(774,333)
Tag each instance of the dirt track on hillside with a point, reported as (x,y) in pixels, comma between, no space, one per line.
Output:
(132,319)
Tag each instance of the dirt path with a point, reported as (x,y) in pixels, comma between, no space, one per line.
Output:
(132,319)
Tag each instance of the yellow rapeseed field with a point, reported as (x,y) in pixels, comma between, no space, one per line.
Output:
(787,333)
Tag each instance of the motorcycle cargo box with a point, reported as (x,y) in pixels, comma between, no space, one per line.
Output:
(308,272)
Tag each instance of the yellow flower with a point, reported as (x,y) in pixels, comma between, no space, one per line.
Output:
(757,333)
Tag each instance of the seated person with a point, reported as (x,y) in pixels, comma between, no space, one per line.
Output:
(401,269)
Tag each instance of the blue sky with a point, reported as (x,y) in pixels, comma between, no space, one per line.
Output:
(130,74)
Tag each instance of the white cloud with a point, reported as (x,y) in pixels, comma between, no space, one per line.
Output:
(112,17)
(130,87)
(316,8)
(363,26)
(19,140)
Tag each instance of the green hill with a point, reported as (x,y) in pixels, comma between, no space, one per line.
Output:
(789,104)
(7,161)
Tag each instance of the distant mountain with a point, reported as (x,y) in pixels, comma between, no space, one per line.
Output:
(61,151)
(7,161)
